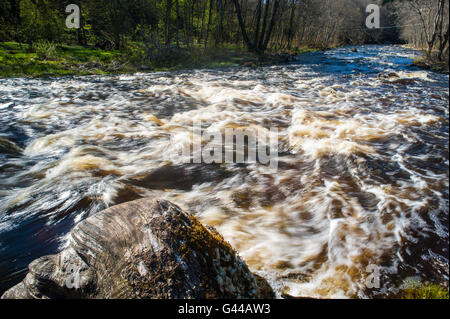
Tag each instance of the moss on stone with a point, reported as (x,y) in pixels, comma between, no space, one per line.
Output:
(425,291)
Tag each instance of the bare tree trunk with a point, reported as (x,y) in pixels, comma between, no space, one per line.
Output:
(272,23)
(444,44)
(443,38)
(258,22)
(211,3)
(242,26)
(81,33)
(167,21)
(15,18)
(291,24)
(202,30)
(263,31)
(178,22)
(220,9)
(221,12)
(436,23)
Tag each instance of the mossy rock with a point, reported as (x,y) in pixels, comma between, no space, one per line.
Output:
(419,290)
(142,249)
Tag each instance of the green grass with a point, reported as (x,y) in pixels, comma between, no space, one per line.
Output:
(17,60)
(418,290)
(83,54)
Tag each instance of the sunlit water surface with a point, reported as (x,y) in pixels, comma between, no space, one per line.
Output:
(362,179)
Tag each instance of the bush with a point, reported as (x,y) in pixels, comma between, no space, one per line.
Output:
(136,53)
(169,57)
(45,50)
(156,57)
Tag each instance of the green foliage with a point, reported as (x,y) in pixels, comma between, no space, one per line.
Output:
(112,24)
(171,58)
(18,60)
(136,53)
(45,51)
(419,290)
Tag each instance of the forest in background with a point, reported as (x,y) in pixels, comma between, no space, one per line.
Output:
(153,30)
(109,24)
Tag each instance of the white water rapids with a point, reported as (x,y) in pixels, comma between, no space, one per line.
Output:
(362,179)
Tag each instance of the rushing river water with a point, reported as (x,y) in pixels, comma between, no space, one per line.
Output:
(362,179)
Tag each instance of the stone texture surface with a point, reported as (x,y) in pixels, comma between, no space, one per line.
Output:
(142,249)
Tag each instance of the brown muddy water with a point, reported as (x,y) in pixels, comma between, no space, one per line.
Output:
(362,179)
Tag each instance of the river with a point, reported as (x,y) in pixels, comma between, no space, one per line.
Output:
(362,178)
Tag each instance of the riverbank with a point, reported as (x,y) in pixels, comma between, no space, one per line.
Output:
(74,146)
(425,62)
(46,59)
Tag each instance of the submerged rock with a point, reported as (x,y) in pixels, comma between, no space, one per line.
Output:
(142,249)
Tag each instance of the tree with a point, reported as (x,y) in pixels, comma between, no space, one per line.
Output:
(425,24)
(261,39)
(255,24)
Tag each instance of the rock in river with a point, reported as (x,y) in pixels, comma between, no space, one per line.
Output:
(142,249)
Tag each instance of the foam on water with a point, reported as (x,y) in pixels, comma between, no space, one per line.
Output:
(362,177)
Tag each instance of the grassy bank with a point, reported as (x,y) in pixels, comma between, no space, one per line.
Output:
(46,59)
(18,60)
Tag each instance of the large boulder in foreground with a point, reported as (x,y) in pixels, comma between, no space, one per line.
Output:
(142,249)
